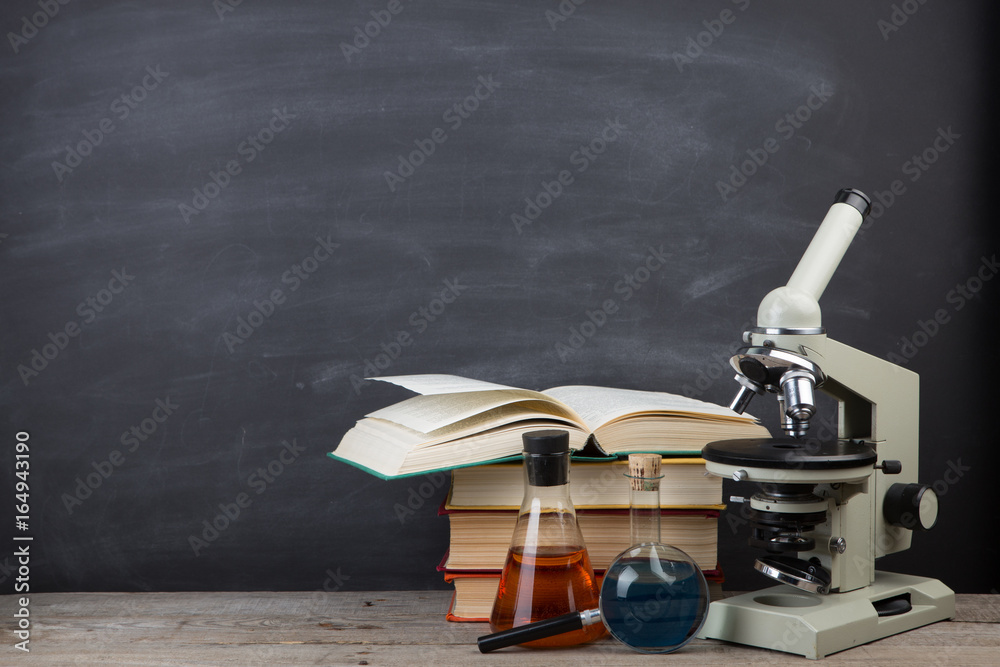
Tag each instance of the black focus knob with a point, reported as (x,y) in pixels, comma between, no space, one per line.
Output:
(912,506)
(891,467)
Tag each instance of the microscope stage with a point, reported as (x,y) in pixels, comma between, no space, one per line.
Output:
(790,453)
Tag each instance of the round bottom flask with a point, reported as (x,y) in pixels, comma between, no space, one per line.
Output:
(654,598)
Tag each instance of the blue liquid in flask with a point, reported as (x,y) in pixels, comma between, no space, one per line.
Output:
(654,598)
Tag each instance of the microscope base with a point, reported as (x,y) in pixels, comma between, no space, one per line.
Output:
(785,619)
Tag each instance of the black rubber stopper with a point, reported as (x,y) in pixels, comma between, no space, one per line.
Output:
(546,456)
(549,441)
(790,453)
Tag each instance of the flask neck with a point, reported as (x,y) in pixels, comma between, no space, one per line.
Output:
(546,484)
(644,510)
(546,522)
(547,498)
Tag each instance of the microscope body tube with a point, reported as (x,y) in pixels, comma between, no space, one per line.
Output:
(827,248)
(796,305)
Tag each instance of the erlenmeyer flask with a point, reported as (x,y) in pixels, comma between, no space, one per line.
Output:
(548,571)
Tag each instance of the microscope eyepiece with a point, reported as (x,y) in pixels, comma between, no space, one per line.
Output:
(855,198)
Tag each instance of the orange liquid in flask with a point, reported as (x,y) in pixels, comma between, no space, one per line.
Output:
(536,586)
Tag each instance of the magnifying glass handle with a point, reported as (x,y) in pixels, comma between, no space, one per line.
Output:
(550,627)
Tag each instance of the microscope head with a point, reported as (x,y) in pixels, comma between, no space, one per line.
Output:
(793,310)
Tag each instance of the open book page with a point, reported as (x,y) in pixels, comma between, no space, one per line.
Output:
(666,433)
(429,385)
(600,405)
(503,415)
(377,445)
(392,450)
(489,445)
(431,413)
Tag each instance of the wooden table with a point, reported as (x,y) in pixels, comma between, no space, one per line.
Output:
(392,628)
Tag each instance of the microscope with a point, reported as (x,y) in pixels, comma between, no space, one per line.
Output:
(826,508)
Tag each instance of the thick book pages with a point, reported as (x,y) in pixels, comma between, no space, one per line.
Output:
(459,422)
(593,485)
(475,593)
(479,540)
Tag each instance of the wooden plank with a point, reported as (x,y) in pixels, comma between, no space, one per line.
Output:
(392,628)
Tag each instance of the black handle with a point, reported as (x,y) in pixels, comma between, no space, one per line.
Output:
(556,625)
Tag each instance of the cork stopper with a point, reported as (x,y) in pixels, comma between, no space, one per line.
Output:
(643,471)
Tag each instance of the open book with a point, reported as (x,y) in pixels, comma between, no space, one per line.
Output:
(458,422)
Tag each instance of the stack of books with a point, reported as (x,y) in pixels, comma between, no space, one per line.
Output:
(474,429)
(482,507)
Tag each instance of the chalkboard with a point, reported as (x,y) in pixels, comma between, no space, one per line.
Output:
(217,217)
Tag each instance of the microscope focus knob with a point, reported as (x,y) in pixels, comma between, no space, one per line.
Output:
(890,467)
(912,506)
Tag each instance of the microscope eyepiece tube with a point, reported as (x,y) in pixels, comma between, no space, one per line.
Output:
(831,241)
(796,304)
